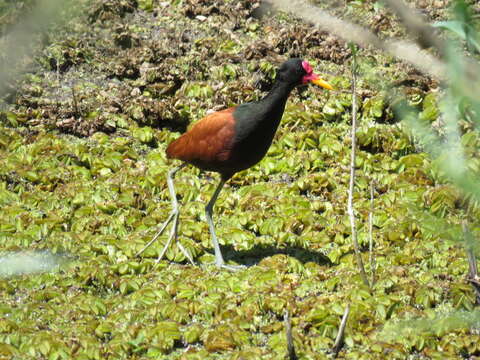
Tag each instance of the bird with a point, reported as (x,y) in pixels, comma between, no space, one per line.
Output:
(232,140)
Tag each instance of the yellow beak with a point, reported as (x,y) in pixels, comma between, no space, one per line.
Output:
(322,83)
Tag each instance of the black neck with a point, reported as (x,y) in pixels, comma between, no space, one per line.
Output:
(277,97)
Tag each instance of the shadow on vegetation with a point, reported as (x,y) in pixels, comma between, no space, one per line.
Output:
(256,254)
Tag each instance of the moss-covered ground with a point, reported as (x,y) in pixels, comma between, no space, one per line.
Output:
(83,176)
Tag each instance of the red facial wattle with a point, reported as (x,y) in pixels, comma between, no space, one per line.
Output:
(312,77)
(309,77)
(309,70)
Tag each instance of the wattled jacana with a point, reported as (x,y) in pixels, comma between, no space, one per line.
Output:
(232,140)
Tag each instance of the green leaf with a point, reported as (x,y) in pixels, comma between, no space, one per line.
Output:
(454,26)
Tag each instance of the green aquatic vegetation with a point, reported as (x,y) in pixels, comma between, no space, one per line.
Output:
(87,182)
(430,109)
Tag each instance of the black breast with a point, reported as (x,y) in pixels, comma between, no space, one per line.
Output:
(255,128)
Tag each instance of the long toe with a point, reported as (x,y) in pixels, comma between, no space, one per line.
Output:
(160,232)
(224,266)
(233,267)
(173,236)
(185,252)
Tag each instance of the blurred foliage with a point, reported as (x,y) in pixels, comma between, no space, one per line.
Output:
(463,25)
(83,176)
(11,12)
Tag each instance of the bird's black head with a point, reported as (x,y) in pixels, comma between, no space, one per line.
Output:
(291,71)
(297,71)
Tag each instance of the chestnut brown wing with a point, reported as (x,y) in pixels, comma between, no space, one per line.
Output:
(208,142)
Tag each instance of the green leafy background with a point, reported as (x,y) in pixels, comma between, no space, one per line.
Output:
(83,187)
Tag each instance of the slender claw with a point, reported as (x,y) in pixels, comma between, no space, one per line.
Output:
(232,267)
(173,215)
(227,267)
(173,235)
(160,232)
(185,252)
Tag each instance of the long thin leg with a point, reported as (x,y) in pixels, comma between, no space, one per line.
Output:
(208,211)
(173,216)
(216,246)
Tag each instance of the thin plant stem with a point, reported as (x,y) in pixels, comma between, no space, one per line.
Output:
(351,212)
(473,277)
(370,236)
(288,330)
(75,102)
(341,332)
